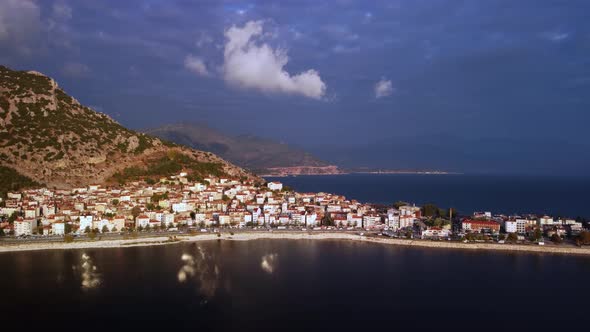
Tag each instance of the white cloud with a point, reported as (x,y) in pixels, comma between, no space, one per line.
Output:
(383,88)
(62,11)
(75,69)
(196,65)
(251,63)
(20,20)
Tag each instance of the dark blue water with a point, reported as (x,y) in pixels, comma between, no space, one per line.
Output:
(559,196)
(305,285)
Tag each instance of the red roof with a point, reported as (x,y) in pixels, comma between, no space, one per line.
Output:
(481,222)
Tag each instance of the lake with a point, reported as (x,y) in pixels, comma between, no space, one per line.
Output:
(291,285)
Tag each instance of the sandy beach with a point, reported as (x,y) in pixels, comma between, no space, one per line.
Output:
(163,240)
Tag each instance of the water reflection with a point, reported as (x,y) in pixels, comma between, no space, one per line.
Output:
(201,267)
(269,263)
(88,272)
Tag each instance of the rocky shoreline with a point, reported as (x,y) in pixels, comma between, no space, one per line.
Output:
(163,240)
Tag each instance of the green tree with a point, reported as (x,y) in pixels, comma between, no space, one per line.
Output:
(68,238)
(13,217)
(91,235)
(2,232)
(139,228)
(512,237)
(327,220)
(105,229)
(398,204)
(135,211)
(115,202)
(556,238)
(193,215)
(87,230)
(583,238)
(430,210)
(538,234)
(502,237)
(225,198)
(67,228)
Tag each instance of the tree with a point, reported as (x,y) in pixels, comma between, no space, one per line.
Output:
(193,215)
(327,220)
(502,237)
(225,198)
(115,202)
(135,212)
(583,238)
(91,235)
(2,232)
(13,217)
(105,229)
(398,204)
(555,238)
(68,238)
(87,230)
(430,210)
(139,228)
(67,228)
(538,233)
(512,237)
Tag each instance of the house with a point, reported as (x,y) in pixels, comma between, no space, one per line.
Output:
(142,221)
(24,226)
(85,221)
(511,226)
(546,220)
(435,233)
(275,186)
(58,228)
(480,225)
(371,220)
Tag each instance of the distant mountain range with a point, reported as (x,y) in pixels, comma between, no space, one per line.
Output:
(260,155)
(48,137)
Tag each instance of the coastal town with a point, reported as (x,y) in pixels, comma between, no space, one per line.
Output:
(176,205)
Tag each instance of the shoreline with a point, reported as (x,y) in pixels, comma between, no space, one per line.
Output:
(165,240)
(367,172)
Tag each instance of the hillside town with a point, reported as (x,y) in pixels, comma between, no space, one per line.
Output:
(175,204)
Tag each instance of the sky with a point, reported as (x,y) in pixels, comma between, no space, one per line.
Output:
(491,86)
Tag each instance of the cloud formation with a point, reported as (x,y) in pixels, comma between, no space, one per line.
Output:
(196,65)
(75,69)
(20,20)
(383,88)
(250,63)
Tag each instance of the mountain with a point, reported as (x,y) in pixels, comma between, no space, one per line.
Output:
(48,137)
(261,155)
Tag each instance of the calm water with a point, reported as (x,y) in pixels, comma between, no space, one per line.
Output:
(565,196)
(291,285)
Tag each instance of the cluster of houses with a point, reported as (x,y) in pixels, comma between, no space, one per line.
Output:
(219,202)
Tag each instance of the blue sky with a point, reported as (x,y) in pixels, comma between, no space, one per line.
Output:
(473,86)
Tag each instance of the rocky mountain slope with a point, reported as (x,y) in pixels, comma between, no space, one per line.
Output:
(260,155)
(49,137)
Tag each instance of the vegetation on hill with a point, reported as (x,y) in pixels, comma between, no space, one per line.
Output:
(172,164)
(51,138)
(11,180)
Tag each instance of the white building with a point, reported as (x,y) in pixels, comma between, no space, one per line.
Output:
(435,233)
(24,226)
(85,221)
(545,220)
(142,221)
(58,228)
(511,226)
(275,186)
